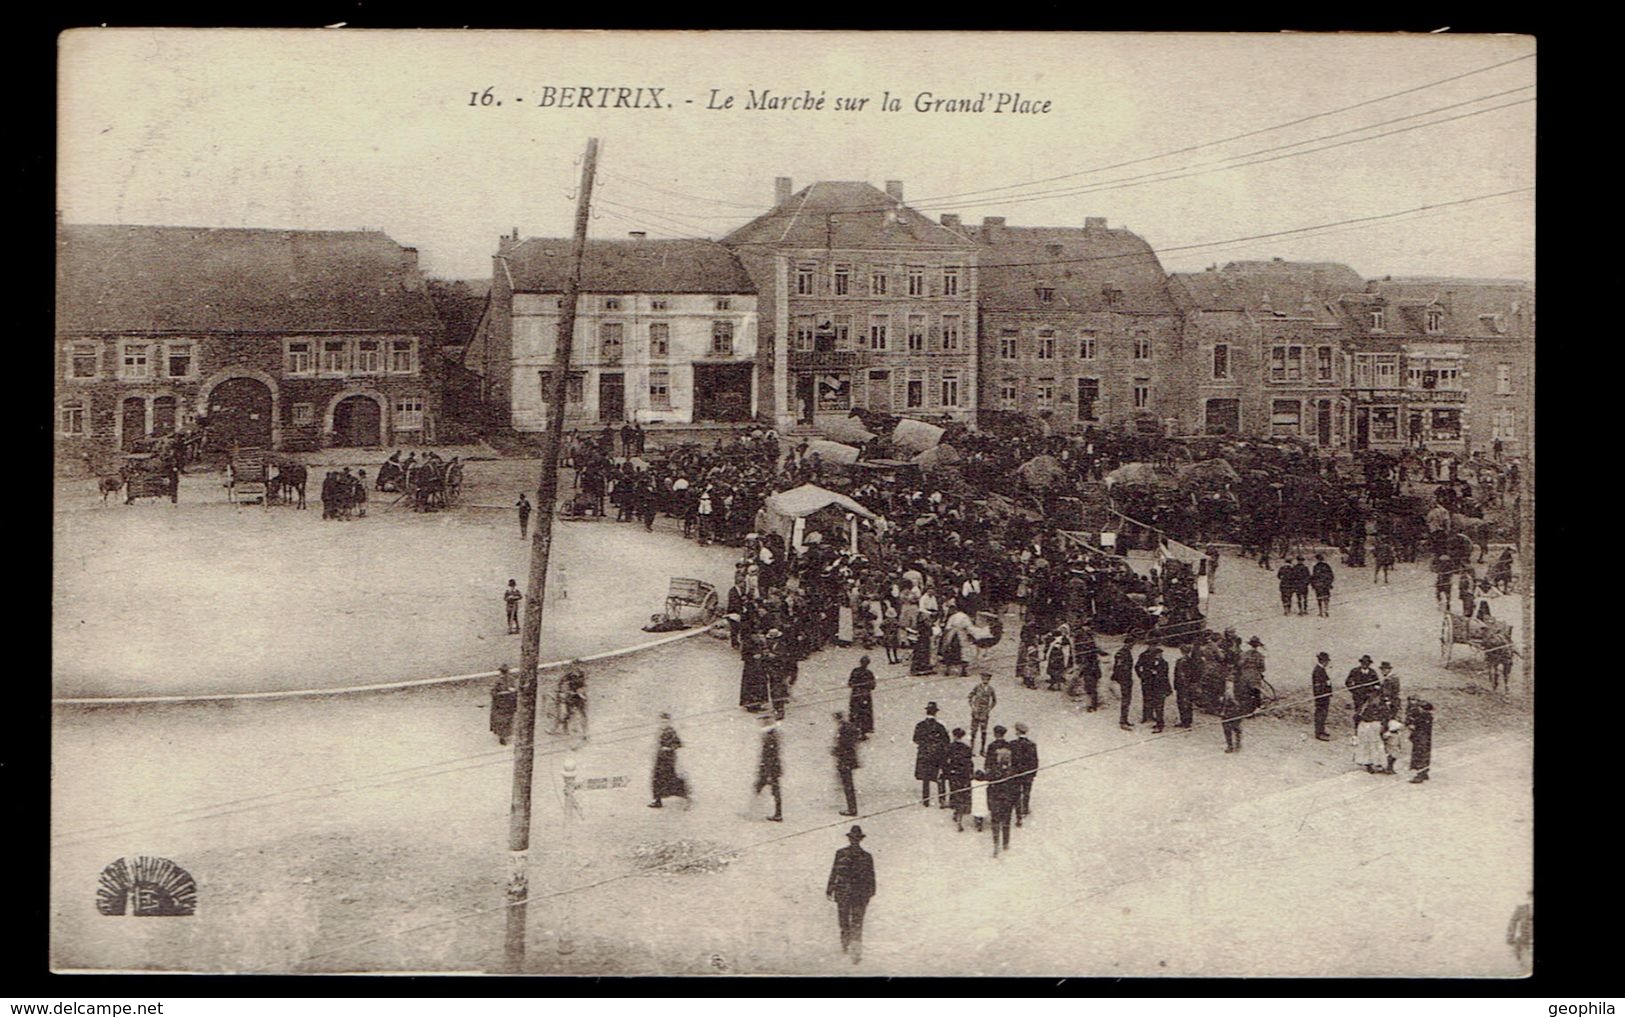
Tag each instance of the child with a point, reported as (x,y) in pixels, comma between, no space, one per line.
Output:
(890,634)
(511,597)
(1396,741)
(978,799)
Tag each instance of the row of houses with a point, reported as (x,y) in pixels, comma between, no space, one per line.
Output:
(839,296)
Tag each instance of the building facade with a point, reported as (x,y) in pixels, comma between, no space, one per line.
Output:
(665,333)
(864,303)
(268,338)
(1265,345)
(1441,363)
(1078,327)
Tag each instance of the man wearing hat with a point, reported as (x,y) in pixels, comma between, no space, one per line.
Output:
(1123,676)
(861,704)
(1187,682)
(1024,762)
(1388,688)
(1361,683)
(982,699)
(1250,673)
(1321,684)
(1153,674)
(851,885)
(930,744)
(770,767)
(1088,656)
(1300,585)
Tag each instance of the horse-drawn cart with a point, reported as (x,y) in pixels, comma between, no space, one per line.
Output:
(1492,638)
(692,594)
(147,475)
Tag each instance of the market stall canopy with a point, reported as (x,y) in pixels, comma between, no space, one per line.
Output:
(849,430)
(791,513)
(833,452)
(1136,473)
(1208,472)
(938,456)
(1041,472)
(916,435)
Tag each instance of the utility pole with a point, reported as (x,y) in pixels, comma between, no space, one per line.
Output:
(541,544)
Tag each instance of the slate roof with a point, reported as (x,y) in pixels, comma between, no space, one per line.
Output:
(845,214)
(198,279)
(542,265)
(1465,302)
(1269,288)
(1077,263)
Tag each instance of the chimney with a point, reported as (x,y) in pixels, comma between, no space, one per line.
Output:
(506,242)
(951,220)
(1094,222)
(894,188)
(781,190)
(993,228)
(637,234)
(409,258)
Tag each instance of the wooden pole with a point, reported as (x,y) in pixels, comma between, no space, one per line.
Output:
(541,545)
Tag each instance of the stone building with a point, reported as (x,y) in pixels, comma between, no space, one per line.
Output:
(1077,326)
(864,303)
(272,338)
(1264,345)
(1439,362)
(665,333)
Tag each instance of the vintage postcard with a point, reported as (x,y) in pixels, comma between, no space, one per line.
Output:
(751,503)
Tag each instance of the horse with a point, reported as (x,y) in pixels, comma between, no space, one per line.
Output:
(110,484)
(426,483)
(288,484)
(1475,530)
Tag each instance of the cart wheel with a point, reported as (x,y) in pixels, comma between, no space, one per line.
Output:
(1446,638)
(710,609)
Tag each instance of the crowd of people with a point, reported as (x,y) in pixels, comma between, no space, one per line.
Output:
(343,494)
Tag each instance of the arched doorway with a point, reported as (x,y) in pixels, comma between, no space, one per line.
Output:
(239,413)
(358,421)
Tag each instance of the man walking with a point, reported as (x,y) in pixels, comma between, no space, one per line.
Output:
(1300,585)
(1001,790)
(851,886)
(1088,656)
(930,745)
(1024,760)
(523,506)
(1321,578)
(1285,577)
(1187,680)
(861,705)
(1123,676)
(1361,683)
(511,597)
(846,760)
(1321,684)
(1250,675)
(1153,672)
(770,767)
(982,700)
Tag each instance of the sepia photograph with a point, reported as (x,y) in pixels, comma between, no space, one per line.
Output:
(778,482)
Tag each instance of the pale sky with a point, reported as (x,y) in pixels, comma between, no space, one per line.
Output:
(342,129)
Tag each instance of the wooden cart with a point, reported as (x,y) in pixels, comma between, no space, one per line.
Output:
(692,594)
(248,476)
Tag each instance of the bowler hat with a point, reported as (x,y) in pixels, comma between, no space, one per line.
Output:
(930,707)
(998,729)
(856,833)
(1386,666)
(1021,728)
(1323,655)
(1365,658)
(1255,641)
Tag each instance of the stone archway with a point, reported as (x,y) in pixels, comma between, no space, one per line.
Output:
(351,423)
(240,404)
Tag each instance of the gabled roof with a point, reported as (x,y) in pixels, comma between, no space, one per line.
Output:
(1472,307)
(1269,289)
(198,279)
(542,265)
(846,214)
(1078,263)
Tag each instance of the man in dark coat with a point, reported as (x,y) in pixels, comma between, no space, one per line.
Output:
(770,767)
(996,744)
(1123,676)
(846,760)
(862,704)
(1187,682)
(1362,684)
(1300,585)
(1087,655)
(1153,672)
(851,886)
(1024,760)
(930,746)
(1321,578)
(1286,579)
(665,782)
(1320,683)
(958,766)
(1421,724)
(1001,790)
(523,507)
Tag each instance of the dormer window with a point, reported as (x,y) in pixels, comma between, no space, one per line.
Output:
(612,303)
(1376,320)
(1046,294)
(1435,321)
(1491,322)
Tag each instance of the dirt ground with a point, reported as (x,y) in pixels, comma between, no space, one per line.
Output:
(368,832)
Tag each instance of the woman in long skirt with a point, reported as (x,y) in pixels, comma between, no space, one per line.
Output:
(1421,724)
(665,781)
(920,660)
(1369,751)
(908,614)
